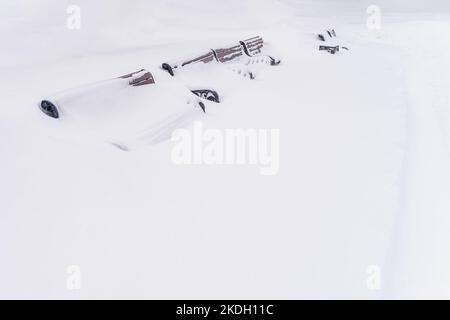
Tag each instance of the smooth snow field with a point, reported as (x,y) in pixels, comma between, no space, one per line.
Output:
(354,204)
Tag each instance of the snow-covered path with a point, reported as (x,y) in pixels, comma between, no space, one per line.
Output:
(364,159)
(420,257)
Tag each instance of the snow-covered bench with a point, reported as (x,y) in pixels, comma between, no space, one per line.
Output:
(245,53)
(111,96)
(55,105)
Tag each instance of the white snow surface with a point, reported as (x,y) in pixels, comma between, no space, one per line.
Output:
(364,176)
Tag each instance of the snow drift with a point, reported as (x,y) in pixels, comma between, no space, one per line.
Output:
(364,154)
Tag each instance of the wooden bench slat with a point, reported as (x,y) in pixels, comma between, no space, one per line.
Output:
(204,58)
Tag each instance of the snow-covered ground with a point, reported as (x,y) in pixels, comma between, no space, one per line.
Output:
(363,188)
